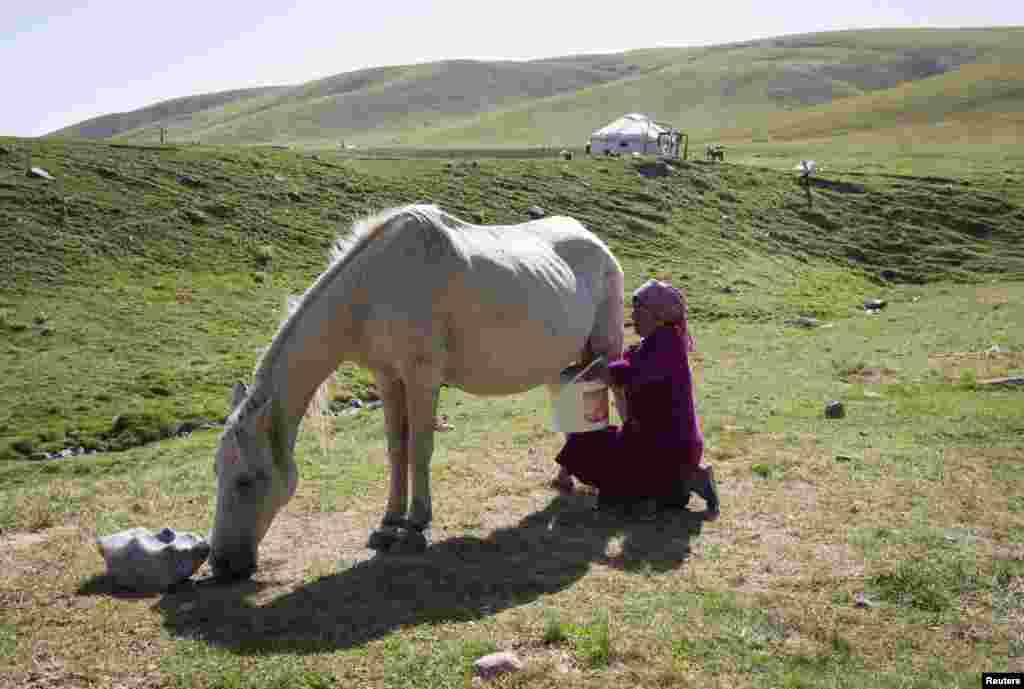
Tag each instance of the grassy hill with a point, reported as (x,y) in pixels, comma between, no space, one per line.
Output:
(176,113)
(144,280)
(558,102)
(882,549)
(973,104)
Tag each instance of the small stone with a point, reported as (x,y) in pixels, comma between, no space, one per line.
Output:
(497,664)
(998,382)
(875,304)
(536,212)
(805,322)
(196,217)
(861,600)
(191,181)
(39,172)
(835,410)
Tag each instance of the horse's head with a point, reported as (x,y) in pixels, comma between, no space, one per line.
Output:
(256,476)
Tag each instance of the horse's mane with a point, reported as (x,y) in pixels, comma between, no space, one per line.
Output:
(346,247)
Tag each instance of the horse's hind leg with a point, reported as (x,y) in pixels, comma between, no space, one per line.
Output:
(396,418)
(422,389)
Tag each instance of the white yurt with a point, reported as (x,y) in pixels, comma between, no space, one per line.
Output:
(633,133)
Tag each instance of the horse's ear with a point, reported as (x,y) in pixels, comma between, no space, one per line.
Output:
(238,393)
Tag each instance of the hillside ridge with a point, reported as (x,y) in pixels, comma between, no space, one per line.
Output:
(558,101)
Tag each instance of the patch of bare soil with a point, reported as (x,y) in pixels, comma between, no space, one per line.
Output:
(774,545)
(14,559)
(983,365)
(873,376)
(992,296)
(49,672)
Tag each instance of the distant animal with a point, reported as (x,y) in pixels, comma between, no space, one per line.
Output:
(715,152)
(806,168)
(422,299)
(566,155)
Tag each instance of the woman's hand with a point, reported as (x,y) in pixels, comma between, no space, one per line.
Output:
(599,371)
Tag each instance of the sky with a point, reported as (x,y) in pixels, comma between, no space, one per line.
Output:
(70,60)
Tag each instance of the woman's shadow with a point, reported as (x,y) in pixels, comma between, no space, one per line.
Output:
(460,578)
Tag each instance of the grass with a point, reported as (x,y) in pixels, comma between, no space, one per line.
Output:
(973,104)
(198,296)
(910,499)
(763,598)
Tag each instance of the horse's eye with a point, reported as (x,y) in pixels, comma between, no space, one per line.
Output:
(244,482)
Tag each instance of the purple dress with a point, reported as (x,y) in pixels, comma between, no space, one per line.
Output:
(661,442)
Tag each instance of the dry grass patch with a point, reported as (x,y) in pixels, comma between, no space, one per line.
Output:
(956,366)
(992,296)
(873,375)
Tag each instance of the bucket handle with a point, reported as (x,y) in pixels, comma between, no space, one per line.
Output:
(584,371)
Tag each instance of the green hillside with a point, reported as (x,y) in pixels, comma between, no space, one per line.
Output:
(144,280)
(176,113)
(973,104)
(558,102)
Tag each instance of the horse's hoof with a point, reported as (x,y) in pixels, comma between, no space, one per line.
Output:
(383,539)
(410,542)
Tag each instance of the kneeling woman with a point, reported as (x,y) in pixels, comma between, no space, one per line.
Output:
(655,458)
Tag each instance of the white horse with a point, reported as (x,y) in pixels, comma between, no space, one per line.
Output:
(420,298)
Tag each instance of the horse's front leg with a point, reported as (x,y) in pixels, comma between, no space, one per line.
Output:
(421,393)
(392,392)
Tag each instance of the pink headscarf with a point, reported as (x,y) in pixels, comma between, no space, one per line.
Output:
(667,304)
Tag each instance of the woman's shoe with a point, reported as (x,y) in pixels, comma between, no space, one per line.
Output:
(707,489)
(563,482)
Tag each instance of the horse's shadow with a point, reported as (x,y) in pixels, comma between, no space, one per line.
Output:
(460,578)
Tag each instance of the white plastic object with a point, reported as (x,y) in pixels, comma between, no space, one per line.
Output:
(579,406)
(148,561)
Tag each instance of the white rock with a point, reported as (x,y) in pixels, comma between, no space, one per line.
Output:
(143,560)
(40,172)
(497,664)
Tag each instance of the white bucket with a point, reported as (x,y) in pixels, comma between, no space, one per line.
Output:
(578,406)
